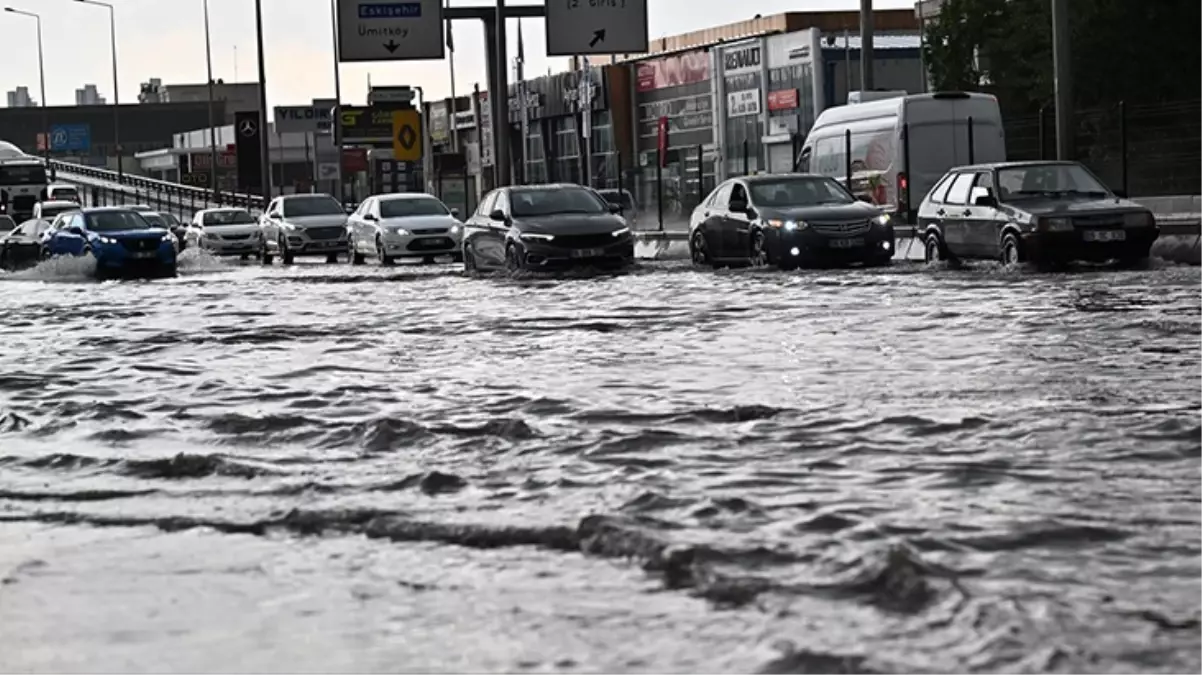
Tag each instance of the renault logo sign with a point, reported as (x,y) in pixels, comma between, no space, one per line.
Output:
(248,128)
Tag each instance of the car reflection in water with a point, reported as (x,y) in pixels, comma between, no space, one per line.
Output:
(788,220)
(546,227)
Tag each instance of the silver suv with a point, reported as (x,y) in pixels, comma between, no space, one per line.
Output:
(302,225)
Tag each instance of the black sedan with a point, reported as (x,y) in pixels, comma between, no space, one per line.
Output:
(545,227)
(788,220)
(1047,213)
(21,247)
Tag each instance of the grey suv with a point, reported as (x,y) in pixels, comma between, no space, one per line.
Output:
(302,225)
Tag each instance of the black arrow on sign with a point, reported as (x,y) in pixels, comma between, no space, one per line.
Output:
(391,46)
(598,36)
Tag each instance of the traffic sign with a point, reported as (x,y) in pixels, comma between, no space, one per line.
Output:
(71,138)
(388,30)
(406,136)
(596,27)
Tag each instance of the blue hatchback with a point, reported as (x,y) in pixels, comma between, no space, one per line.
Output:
(120,239)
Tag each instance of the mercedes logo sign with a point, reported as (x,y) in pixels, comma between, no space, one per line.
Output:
(248,128)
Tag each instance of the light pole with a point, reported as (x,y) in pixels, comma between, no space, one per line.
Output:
(116,95)
(264,157)
(212,123)
(42,77)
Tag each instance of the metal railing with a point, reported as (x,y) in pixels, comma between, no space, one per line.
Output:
(108,187)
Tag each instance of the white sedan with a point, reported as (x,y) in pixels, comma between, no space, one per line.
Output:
(404,225)
(225,231)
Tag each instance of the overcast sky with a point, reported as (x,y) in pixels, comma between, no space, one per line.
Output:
(165,39)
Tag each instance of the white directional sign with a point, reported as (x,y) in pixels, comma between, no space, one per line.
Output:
(390,30)
(596,27)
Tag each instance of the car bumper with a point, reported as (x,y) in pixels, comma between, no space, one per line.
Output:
(877,243)
(118,258)
(545,255)
(1072,246)
(228,247)
(399,246)
(304,246)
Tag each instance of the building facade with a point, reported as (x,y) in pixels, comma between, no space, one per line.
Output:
(89,95)
(20,98)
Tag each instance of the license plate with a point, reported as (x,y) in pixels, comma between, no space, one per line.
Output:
(847,243)
(142,255)
(1105,235)
(588,253)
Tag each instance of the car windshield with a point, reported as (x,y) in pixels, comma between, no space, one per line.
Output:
(552,201)
(22,174)
(620,198)
(155,219)
(401,208)
(49,212)
(312,206)
(231,217)
(799,191)
(170,219)
(116,221)
(1042,180)
(64,193)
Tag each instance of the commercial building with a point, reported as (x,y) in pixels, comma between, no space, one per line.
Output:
(236,96)
(19,98)
(89,95)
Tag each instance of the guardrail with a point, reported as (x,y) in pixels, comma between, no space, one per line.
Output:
(150,190)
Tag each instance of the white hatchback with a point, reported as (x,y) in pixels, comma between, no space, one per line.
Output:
(404,225)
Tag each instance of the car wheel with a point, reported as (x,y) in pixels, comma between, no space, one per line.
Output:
(265,256)
(381,254)
(513,260)
(698,250)
(934,251)
(244,256)
(286,257)
(469,262)
(332,258)
(758,257)
(353,255)
(87,251)
(45,254)
(1012,252)
(457,257)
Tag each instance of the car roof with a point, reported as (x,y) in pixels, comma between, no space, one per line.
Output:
(393,196)
(59,202)
(543,186)
(308,195)
(1012,165)
(762,178)
(220,209)
(109,209)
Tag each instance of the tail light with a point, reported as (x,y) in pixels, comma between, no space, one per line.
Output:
(880,194)
(903,190)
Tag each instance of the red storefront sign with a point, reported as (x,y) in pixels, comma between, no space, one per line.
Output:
(354,160)
(663,141)
(673,71)
(783,99)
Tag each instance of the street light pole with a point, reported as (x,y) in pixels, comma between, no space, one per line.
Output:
(212,122)
(1063,78)
(42,78)
(264,157)
(116,89)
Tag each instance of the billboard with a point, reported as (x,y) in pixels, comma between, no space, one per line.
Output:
(673,71)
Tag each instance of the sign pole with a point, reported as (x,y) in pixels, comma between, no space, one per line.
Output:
(265,169)
(336,125)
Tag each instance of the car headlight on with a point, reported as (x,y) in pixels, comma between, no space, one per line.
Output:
(536,236)
(399,231)
(455,230)
(106,240)
(1142,219)
(789,225)
(1056,224)
(883,220)
(621,232)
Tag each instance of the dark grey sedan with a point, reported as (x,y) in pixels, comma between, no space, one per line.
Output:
(546,227)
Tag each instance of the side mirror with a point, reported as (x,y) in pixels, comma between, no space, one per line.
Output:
(615,208)
(497,214)
(864,198)
(738,206)
(77,231)
(988,201)
(1121,194)
(370,216)
(454,213)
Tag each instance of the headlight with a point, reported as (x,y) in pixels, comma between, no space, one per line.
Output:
(454,229)
(399,231)
(1056,224)
(106,240)
(535,236)
(621,231)
(883,220)
(789,224)
(210,236)
(1143,219)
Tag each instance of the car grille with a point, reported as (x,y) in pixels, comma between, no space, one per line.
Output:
(845,229)
(431,244)
(325,232)
(584,240)
(437,230)
(1103,220)
(140,244)
(235,237)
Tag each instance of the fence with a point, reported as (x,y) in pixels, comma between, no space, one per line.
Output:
(1145,150)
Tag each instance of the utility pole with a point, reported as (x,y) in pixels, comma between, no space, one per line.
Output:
(498,97)
(866,64)
(265,156)
(1063,93)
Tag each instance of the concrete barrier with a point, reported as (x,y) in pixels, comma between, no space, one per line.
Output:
(1180,242)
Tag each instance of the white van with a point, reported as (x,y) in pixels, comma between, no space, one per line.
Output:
(938,127)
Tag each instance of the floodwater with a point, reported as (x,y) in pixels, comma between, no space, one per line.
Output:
(325,468)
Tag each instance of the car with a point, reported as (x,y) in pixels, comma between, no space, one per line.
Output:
(302,225)
(545,227)
(7,224)
(225,231)
(59,192)
(1049,213)
(403,225)
(167,222)
(625,200)
(120,239)
(49,209)
(788,220)
(22,245)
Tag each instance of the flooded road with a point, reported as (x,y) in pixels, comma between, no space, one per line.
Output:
(327,468)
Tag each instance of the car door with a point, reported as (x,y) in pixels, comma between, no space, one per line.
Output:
(27,244)
(355,223)
(69,239)
(736,225)
(489,246)
(270,225)
(712,219)
(476,227)
(982,224)
(953,216)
